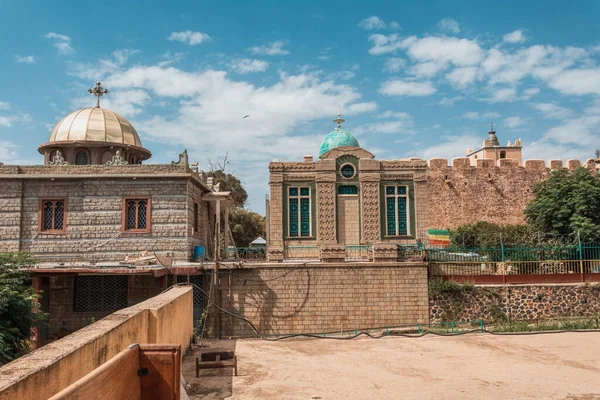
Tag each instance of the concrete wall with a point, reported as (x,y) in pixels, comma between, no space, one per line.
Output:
(94,196)
(166,318)
(316,298)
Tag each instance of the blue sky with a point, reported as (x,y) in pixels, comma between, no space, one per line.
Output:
(415,79)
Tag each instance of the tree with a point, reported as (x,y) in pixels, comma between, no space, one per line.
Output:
(19,310)
(228,182)
(245,226)
(567,204)
(491,236)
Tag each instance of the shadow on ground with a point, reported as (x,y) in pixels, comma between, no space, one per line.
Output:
(211,384)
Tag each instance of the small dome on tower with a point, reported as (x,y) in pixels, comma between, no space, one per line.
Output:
(338,137)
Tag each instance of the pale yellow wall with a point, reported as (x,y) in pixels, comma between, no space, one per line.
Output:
(513,153)
(166,318)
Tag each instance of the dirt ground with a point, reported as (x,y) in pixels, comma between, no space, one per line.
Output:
(476,366)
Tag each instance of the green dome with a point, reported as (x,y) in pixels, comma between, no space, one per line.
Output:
(337,138)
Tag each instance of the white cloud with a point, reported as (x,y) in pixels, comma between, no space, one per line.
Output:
(514,37)
(394,25)
(128,103)
(385,44)
(7,120)
(392,114)
(502,95)
(529,93)
(357,108)
(399,87)
(61,42)
(371,23)
(8,152)
(342,75)
(271,49)
(448,25)
(385,127)
(462,77)
(489,115)
(4,105)
(550,110)
(394,64)
(248,65)
(452,146)
(580,131)
(122,55)
(443,49)
(513,122)
(577,81)
(189,37)
(25,59)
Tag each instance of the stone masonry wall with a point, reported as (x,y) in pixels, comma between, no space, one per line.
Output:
(516,302)
(62,292)
(319,298)
(462,194)
(94,217)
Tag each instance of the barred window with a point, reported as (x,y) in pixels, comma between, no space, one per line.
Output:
(81,158)
(137,215)
(100,293)
(299,215)
(52,215)
(396,210)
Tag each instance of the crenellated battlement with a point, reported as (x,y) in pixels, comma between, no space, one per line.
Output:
(438,164)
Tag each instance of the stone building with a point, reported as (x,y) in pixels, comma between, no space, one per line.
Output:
(344,202)
(347,204)
(91,212)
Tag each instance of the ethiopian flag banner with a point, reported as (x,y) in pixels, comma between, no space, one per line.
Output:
(439,236)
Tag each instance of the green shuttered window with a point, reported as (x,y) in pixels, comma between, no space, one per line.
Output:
(396,210)
(299,212)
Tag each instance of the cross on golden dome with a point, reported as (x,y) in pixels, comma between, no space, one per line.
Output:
(98,91)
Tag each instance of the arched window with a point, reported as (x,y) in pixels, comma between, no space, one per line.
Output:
(502,154)
(106,157)
(82,158)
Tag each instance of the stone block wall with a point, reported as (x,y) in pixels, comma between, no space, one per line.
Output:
(321,298)
(94,211)
(516,302)
(61,305)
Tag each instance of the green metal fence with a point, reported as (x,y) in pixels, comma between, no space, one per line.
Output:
(568,259)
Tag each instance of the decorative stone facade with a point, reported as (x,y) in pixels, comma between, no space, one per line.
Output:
(349,208)
(516,302)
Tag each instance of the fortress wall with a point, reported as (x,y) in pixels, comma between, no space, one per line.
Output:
(460,194)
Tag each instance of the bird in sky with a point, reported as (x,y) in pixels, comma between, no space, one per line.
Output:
(245,116)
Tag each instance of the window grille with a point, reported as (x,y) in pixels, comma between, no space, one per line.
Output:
(100,293)
(53,215)
(299,214)
(81,158)
(396,210)
(136,214)
(347,190)
(198,282)
(347,171)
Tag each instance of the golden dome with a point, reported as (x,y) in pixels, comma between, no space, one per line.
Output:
(95,124)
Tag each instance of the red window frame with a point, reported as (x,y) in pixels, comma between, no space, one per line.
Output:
(41,215)
(148,227)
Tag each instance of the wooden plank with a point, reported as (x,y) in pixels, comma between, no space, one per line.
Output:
(163,361)
(115,379)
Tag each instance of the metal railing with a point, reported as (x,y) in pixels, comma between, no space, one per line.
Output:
(576,259)
(359,253)
(246,253)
